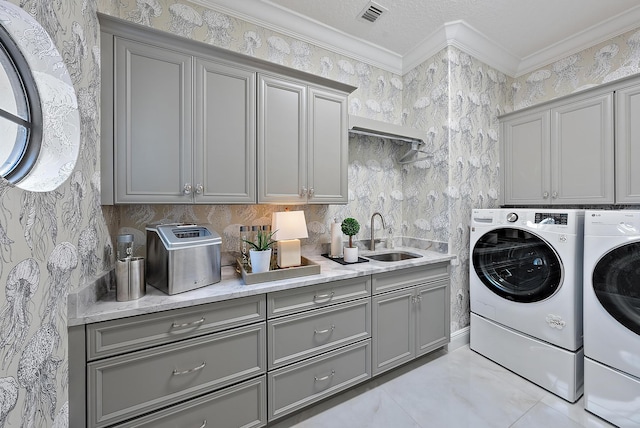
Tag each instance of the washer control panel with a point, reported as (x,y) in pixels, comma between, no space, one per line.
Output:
(552,218)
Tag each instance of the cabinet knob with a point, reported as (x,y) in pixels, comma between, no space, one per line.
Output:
(554,195)
(545,195)
(303,192)
(311,192)
(199,189)
(187,188)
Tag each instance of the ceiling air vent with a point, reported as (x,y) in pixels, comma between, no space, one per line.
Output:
(372,11)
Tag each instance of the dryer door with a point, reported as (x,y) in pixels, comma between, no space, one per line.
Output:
(616,283)
(517,265)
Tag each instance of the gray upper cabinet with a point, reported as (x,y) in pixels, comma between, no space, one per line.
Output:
(225,161)
(185,122)
(328,152)
(627,145)
(582,151)
(302,143)
(561,153)
(527,149)
(165,150)
(153,122)
(282,148)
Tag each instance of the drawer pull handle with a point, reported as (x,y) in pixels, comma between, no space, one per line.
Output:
(326,330)
(328,296)
(320,379)
(195,369)
(204,424)
(188,324)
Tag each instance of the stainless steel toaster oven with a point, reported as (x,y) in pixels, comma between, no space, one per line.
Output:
(182,257)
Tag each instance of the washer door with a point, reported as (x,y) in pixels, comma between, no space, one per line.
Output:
(616,283)
(517,265)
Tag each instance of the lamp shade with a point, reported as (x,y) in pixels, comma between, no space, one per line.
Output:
(289,225)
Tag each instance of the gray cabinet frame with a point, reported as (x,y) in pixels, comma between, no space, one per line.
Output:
(627,129)
(561,152)
(329,100)
(410,314)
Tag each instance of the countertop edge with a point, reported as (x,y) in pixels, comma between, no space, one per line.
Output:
(232,286)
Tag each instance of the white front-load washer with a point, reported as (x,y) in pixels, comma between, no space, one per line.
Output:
(612,316)
(525,285)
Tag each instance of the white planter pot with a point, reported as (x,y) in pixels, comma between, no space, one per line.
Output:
(260,260)
(350,254)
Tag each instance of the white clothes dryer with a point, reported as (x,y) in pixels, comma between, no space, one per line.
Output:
(525,285)
(612,316)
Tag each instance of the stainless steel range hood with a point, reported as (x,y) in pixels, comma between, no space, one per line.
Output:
(364,126)
(375,128)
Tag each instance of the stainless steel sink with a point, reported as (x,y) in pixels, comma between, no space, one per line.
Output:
(394,256)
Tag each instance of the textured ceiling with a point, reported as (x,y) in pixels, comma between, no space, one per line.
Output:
(519,29)
(522,27)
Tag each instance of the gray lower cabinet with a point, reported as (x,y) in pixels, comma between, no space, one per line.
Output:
(319,342)
(311,333)
(298,385)
(243,362)
(317,296)
(174,368)
(116,337)
(410,314)
(243,405)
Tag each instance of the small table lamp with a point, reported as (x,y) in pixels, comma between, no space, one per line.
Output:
(289,226)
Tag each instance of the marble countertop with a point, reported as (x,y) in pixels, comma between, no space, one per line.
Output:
(232,286)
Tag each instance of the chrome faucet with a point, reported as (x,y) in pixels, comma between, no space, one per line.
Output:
(372,244)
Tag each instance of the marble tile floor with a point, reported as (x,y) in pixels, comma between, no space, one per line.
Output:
(455,389)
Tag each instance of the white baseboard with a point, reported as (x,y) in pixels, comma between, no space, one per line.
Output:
(459,339)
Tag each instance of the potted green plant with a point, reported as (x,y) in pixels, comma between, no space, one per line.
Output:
(350,227)
(260,251)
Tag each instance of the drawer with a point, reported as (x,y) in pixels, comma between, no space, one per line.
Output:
(243,405)
(316,296)
(126,386)
(299,336)
(115,337)
(301,384)
(394,280)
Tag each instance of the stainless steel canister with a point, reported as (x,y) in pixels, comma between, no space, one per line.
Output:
(130,283)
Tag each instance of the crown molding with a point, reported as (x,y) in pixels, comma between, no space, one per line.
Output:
(467,39)
(585,39)
(288,23)
(456,33)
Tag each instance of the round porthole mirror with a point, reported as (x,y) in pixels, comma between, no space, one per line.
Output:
(39,119)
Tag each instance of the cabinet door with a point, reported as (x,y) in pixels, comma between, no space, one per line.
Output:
(627,145)
(328,147)
(525,161)
(225,161)
(432,316)
(582,151)
(393,329)
(153,123)
(282,148)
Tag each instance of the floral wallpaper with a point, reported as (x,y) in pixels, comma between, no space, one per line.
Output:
(608,61)
(59,241)
(51,241)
